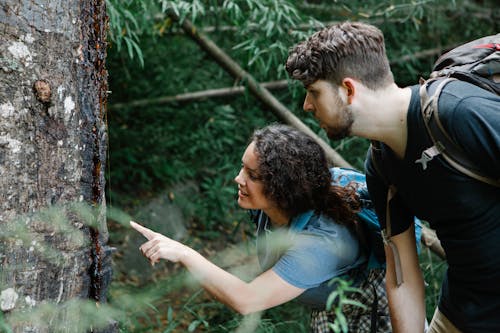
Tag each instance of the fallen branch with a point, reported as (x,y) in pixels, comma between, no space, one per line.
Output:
(197,95)
(258,90)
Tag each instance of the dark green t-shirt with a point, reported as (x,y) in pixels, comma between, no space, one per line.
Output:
(464,212)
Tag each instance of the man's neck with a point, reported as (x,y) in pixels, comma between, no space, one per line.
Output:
(381,115)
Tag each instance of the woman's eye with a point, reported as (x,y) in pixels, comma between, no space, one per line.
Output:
(249,173)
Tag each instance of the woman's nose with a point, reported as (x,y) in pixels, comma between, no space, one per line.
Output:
(239,179)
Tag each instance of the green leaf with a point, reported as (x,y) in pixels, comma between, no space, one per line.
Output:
(170,314)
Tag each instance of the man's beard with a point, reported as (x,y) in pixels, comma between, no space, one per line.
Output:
(343,127)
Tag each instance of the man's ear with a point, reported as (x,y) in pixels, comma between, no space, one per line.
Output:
(350,87)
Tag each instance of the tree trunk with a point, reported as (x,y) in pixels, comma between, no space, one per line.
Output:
(53,87)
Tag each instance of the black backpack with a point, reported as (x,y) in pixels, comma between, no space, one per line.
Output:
(477,62)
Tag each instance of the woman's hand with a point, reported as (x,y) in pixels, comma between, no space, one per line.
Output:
(159,247)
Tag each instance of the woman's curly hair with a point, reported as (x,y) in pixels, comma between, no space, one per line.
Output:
(295,175)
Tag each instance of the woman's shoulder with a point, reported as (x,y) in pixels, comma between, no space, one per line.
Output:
(324,226)
(322,250)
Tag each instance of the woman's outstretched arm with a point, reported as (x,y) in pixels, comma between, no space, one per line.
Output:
(265,291)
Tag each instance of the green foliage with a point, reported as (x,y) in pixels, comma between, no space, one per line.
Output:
(267,30)
(336,301)
(167,144)
(4,327)
(187,9)
(78,316)
(433,269)
(127,22)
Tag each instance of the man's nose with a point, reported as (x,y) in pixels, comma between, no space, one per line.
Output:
(308,106)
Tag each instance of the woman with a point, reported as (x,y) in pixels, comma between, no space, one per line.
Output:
(307,235)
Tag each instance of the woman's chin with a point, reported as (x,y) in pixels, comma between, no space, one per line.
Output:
(243,203)
(240,202)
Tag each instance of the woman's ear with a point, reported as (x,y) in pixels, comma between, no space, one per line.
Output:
(350,87)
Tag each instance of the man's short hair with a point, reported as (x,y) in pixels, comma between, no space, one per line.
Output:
(348,49)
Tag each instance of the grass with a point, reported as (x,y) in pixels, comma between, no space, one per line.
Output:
(433,269)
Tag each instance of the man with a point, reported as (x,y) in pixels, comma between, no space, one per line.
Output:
(351,91)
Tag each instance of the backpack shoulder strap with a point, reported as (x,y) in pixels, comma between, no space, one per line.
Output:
(443,144)
(375,154)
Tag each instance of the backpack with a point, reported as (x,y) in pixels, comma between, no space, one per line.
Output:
(475,62)
(371,237)
(367,217)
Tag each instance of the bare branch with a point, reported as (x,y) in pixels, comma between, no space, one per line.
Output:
(259,91)
(197,95)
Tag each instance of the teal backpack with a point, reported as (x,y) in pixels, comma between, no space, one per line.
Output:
(370,226)
(367,216)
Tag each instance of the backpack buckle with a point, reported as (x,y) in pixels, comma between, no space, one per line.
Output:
(398,270)
(428,155)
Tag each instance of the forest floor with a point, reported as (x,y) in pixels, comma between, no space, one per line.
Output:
(178,302)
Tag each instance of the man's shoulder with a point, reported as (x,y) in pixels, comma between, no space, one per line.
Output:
(376,158)
(465,107)
(456,92)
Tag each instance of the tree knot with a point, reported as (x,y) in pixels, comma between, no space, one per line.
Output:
(42,91)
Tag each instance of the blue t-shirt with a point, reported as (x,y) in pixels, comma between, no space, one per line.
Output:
(464,212)
(308,254)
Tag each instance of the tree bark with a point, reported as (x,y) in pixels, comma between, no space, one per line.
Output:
(53,92)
